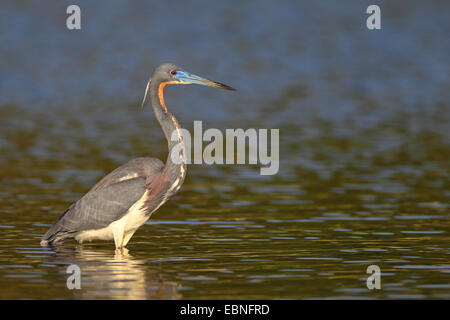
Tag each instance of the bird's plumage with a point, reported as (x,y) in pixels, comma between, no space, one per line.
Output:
(107,201)
(123,200)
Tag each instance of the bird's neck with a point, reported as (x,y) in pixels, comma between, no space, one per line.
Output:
(168,123)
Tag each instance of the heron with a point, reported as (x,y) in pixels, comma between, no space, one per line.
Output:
(121,202)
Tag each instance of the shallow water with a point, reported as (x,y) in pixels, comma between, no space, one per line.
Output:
(364,145)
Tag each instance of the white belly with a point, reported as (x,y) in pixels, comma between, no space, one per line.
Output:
(130,222)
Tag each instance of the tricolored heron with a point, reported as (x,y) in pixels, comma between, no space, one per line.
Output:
(125,199)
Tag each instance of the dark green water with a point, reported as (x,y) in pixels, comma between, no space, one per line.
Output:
(230,233)
(364,151)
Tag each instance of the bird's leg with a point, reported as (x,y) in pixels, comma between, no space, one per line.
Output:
(118,232)
(127,237)
(121,253)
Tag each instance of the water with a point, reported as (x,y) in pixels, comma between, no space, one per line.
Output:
(364,145)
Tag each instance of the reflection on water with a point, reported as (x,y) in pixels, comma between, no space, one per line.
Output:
(114,276)
(364,148)
(104,275)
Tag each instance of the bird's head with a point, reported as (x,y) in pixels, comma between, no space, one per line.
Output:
(169,72)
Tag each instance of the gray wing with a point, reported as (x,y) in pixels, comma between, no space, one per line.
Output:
(99,208)
(139,167)
(109,199)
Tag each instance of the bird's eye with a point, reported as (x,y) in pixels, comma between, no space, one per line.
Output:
(173,72)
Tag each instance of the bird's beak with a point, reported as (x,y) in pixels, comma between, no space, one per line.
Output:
(186,78)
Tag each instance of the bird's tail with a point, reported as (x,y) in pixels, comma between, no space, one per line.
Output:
(56,233)
(51,238)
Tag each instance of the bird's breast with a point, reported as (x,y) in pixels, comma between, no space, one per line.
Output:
(137,214)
